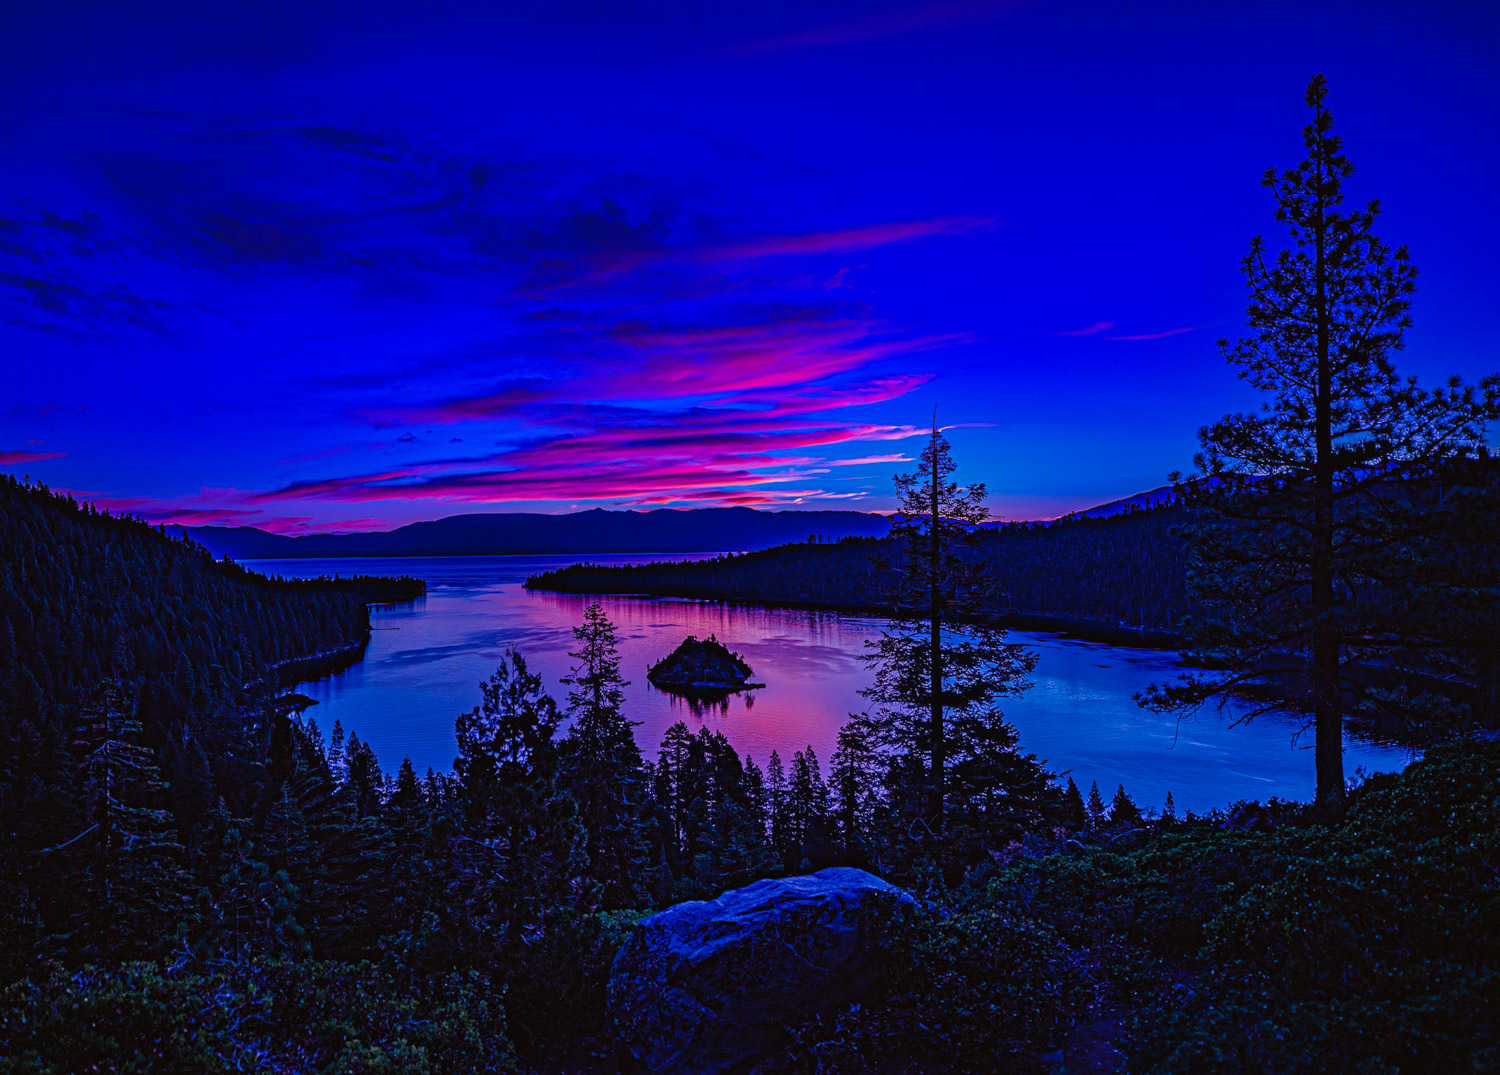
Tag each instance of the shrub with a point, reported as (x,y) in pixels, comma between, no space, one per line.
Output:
(1377,948)
(303,1016)
(980,990)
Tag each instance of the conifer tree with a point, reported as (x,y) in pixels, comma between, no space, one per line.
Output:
(854,773)
(943,655)
(776,802)
(806,806)
(672,783)
(602,763)
(1074,815)
(1095,806)
(1122,810)
(128,879)
(1309,512)
(523,845)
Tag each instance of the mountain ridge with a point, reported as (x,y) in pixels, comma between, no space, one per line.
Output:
(597,530)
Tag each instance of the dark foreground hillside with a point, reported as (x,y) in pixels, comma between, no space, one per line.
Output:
(1119,575)
(1257,941)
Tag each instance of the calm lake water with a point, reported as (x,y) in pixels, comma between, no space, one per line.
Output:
(426,661)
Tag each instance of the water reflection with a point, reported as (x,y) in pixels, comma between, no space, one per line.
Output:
(426,660)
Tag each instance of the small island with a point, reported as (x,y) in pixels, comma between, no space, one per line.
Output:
(702,669)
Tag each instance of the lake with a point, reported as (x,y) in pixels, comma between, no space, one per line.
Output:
(426,660)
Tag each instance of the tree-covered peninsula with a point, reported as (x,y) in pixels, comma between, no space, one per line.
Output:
(1120,577)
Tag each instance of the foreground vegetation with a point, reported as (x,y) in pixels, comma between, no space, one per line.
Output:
(386,928)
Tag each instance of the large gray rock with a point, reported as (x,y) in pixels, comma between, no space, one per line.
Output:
(710,986)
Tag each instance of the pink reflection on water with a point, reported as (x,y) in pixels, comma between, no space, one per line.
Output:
(808,661)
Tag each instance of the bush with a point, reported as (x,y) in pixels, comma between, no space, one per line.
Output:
(325,1017)
(1376,949)
(557,982)
(980,990)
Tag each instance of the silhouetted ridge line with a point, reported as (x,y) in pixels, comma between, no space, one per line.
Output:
(516,533)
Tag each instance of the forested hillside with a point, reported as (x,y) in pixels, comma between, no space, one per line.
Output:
(86,596)
(1124,571)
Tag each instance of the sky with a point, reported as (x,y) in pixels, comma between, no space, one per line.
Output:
(326,267)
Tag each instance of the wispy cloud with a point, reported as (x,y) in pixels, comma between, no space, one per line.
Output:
(24,455)
(847,241)
(1154,335)
(1097,326)
(605,266)
(697,457)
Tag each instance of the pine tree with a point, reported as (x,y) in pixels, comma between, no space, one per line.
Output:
(523,843)
(128,882)
(1307,512)
(1074,815)
(943,656)
(854,772)
(806,807)
(672,784)
(776,802)
(1122,810)
(1095,807)
(602,763)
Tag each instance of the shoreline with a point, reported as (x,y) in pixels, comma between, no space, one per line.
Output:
(1082,628)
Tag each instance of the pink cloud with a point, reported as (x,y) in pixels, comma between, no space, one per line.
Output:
(745,411)
(1154,335)
(1097,326)
(689,456)
(847,241)
(24,456)
(177,513)
(776,365)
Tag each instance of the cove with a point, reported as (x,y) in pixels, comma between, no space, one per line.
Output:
(426,660)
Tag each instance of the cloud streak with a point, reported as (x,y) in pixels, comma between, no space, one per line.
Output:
(1097,326)
(1154,335)
(23,455)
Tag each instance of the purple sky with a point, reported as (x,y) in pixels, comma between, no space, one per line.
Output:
(322,266)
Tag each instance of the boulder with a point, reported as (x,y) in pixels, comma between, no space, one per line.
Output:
(710,986)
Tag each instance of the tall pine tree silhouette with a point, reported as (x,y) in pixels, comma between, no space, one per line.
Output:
(1307,511)
(602,763)
(942,655)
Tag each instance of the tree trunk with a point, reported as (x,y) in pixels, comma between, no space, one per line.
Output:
(1328,715)
(935,729)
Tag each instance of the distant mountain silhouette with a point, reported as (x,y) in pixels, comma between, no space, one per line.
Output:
(1153,498)
(598,531)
